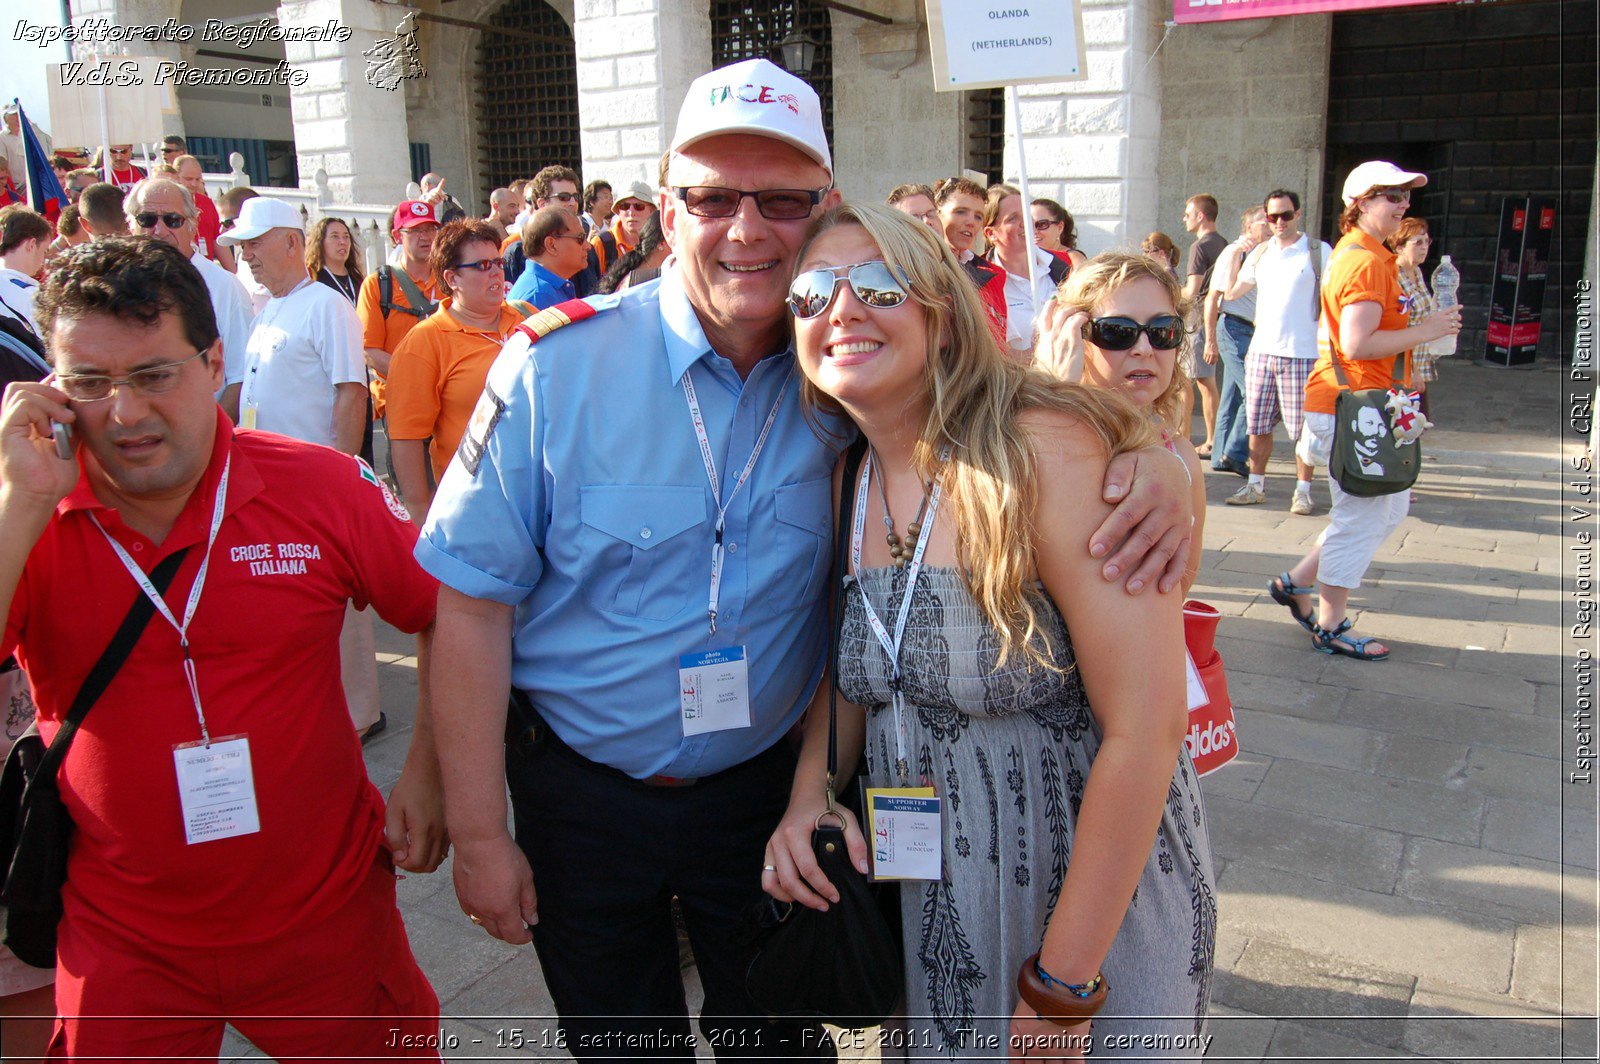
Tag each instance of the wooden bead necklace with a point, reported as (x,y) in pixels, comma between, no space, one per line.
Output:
(902,551)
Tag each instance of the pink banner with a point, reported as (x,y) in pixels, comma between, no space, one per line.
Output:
(1223,10)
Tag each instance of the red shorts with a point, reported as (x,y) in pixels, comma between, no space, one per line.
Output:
(345,987)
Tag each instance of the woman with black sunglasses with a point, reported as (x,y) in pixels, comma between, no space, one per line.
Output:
(1035,711)
(1125,314)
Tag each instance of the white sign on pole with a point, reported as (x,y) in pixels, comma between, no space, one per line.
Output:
(127,88)
(986,44)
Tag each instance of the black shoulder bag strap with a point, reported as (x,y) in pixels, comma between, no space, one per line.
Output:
(105,669)
(841,547)
(421,305)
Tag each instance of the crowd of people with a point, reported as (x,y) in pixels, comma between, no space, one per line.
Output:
(631,588)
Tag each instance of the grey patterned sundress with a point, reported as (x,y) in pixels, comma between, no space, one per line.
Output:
(1009,752)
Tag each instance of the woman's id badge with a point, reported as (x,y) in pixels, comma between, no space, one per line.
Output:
(217,789)
(903,833)
(714,690)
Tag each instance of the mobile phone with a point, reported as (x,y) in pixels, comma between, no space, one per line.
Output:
(62,435)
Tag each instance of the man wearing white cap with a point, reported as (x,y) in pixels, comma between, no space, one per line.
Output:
(634,541)
(304,375)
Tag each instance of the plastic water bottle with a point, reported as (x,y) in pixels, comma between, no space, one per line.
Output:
(1446,283)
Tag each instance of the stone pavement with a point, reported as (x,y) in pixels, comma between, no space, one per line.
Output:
(1396,877)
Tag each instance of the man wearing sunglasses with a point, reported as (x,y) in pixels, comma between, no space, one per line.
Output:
(556,252)
(124,174)
(1283,348)
(553,186)
(629,215)
(165,210)
(77,182)
(180,915)
(635,539)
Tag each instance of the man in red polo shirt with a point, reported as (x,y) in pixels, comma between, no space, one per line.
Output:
(274,911)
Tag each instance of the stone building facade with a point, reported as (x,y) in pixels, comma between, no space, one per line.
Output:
(1165,111)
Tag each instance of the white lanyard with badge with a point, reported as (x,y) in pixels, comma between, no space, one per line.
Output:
(903,821)
(248,402)
(216,785)
(714,685)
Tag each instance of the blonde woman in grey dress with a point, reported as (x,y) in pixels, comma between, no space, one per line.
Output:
(1043,705)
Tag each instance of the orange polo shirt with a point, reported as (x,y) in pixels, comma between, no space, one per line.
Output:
(436,377)
(1361,270)
(386,333)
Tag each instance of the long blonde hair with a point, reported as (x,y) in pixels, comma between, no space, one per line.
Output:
(1091,284)
(975,398)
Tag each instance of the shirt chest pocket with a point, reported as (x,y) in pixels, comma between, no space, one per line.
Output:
(794,545)
(641,556)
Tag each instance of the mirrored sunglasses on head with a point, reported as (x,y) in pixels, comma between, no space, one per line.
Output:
(877,284)
(1122,334)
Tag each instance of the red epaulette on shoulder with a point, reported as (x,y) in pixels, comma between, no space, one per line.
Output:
(550,319)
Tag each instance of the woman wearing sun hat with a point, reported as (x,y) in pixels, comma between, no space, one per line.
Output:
(1364,326)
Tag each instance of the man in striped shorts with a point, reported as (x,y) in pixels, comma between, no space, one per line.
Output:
(1284,347)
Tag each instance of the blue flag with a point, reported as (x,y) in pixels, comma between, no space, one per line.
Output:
(45,193)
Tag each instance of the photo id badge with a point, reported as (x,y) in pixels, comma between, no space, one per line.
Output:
(714,690)
(217,789)
(247,418)
(903,833)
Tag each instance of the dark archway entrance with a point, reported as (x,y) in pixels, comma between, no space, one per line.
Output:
(751,29)
(527,95)
(1490,100)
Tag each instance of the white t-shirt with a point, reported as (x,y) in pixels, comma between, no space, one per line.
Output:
(1285,296)
(235,314)
(1023,309)
(17,292)
(1223,274)
(302,347)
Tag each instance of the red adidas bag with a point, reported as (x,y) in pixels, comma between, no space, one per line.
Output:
(1213,738)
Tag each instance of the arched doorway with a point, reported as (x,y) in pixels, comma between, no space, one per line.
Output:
(751,29)
(527,95)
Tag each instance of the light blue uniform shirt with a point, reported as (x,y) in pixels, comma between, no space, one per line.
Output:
(579,496)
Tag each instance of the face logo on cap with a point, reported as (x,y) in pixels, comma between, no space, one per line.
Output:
(753,94)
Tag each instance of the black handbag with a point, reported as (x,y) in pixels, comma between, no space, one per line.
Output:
(842,966)
(34,824)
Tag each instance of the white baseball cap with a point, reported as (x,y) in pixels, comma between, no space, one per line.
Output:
(1379,174)
(259,215)
(757,97)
